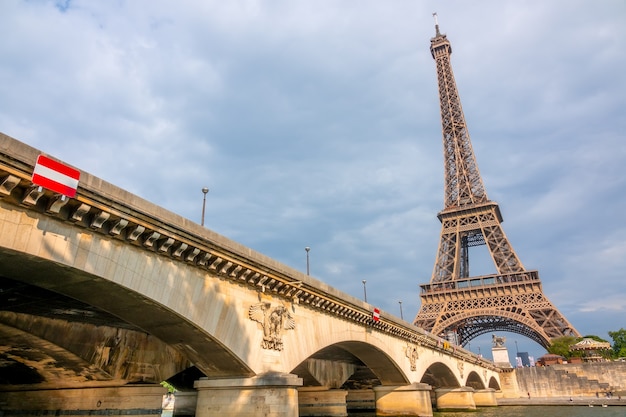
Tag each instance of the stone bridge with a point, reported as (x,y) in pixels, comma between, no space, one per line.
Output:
(103,296)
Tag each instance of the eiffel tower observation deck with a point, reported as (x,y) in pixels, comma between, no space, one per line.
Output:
(455,304)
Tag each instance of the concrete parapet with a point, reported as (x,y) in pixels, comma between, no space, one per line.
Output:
(271,395)
(404,400)
(321,401)
(485,397)
(450,399)
(136,400)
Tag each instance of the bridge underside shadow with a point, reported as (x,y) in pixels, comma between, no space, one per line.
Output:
(350,365)
(100,325)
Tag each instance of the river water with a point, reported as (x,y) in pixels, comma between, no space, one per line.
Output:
(542,411)
(533,411)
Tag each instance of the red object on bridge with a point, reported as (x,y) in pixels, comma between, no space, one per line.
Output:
(376,314)
(55,176)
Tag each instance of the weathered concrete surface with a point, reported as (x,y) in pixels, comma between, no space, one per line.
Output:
(95,355)
(321,401)
(508,384)
(485,397)
(361,400)
(455,399)
(408,400)
(273,395)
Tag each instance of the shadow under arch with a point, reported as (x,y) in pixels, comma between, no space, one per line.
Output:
(438,375)
(493,383)
(85,295)
(354,364)
(474,381)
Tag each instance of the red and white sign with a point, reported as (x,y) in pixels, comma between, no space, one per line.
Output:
(376,314)
(55,176)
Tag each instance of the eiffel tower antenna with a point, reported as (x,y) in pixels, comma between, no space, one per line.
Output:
(454,303)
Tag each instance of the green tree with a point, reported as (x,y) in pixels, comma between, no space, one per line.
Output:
(170,387)
(594,337)
(619,342)
(560,346)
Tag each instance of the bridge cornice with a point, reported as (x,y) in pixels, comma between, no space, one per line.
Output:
(103,208)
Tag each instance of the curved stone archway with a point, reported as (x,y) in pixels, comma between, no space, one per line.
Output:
(475,381)
(493,383)
(130,309)
(358,363)
(438,375)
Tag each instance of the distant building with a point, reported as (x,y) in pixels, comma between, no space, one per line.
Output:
(524,358)
(550,359)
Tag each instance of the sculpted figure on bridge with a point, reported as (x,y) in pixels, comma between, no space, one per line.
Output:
(273,322)
(413,355)
(498,341)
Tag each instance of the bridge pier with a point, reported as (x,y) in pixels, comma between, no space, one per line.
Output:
(485,397)
(185,403)
(321,401)
(361,400)
(405,400)
(136,400)
(453,399)
(271,395)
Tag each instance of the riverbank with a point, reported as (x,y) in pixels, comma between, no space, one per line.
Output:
(581,401)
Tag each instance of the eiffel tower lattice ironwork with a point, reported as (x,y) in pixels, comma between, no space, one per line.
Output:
(511,300)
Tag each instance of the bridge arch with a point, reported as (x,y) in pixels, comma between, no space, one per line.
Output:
(333,365)
(475,381)
(73,295)
(493,383)
(440,375)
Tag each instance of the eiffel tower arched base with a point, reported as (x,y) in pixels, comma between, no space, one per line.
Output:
(474,306)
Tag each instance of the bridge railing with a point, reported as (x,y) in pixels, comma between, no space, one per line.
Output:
(100,207)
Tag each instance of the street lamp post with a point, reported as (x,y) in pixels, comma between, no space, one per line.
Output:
(307,249)
(401,315)
(364,291)
(205,190)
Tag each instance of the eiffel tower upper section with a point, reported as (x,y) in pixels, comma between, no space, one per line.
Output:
(511,299)
(463,183)
(464,191)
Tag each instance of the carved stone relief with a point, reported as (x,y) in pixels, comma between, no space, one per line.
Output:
(274,321)
(413,355)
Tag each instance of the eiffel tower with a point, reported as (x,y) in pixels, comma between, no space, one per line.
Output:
(455,305)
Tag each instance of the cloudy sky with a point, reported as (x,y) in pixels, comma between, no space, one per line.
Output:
(316,123)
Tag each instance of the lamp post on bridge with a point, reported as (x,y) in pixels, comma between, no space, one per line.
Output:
(205,190)
(401,315)
(364,290)
(307,249)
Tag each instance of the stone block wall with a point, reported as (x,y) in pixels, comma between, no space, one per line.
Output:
(573,380)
